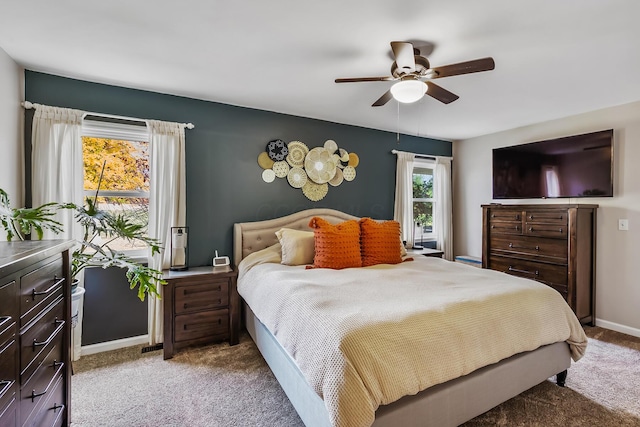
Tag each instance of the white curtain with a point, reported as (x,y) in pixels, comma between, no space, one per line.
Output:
(167,202)
(403,207)
(443,206)
(57,175)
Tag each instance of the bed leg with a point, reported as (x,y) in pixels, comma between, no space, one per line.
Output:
(561,377)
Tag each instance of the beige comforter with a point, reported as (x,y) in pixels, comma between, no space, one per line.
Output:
(364,337)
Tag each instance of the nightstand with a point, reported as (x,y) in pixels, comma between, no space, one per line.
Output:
(201,305)
(426,252)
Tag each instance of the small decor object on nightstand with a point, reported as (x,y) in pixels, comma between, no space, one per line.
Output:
(220,261)
(179,248)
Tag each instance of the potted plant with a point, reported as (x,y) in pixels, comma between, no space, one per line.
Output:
(100,229)
(20,222)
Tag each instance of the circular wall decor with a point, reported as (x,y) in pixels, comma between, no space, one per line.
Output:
(337,179)
(297,152)
(277,150)
(281,169)
(315,192)
(319,165)
(349,173)
(264,161)
(331,146)
(354,160)
(297,177)
(268,175)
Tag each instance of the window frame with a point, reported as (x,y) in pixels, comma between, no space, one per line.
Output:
(118,129)
(421,163)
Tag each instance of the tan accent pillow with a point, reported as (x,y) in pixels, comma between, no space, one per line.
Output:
(380,242)
(337,246)
(297,246)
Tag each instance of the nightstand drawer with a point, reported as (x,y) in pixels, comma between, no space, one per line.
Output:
(202,325)
(38,288)
(203,295)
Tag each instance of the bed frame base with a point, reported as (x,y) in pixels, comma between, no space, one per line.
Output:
(448,404)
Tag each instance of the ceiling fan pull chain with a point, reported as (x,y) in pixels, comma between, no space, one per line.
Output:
(398,124)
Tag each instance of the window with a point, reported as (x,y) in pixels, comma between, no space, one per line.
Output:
(423,202)
(123,150)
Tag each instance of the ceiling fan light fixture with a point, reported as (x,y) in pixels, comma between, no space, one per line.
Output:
(408,91)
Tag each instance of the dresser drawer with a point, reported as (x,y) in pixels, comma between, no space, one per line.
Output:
(9,415)
(548,216)
(201,325)
(8,386)
(44,331)
(38,288)
(533,248)
(52,412)
(501,227)
(556,231)
(41,384)
(202,295)
(552,275)
(514,215)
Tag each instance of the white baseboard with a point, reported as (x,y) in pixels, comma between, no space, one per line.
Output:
(85,350)
(618,327)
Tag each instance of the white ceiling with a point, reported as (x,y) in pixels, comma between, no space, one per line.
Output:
(554,58)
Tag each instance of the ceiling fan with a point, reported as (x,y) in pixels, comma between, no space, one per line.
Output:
(413,76)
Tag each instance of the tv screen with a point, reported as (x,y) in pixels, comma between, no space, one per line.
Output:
(574,166)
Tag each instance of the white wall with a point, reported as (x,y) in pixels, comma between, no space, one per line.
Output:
(618,252)
(11,135)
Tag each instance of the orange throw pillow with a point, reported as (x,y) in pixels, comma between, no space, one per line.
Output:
(336,246)
(380,242)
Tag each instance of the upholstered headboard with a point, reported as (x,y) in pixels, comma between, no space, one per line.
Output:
(250,237)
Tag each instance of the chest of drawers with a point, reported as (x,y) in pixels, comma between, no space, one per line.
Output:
(201,305)
(553,244)
(34,333)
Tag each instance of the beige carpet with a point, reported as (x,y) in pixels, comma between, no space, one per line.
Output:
(220,385)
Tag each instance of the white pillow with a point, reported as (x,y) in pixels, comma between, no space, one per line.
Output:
(297,246)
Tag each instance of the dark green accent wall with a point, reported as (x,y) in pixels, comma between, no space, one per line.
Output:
(224,183)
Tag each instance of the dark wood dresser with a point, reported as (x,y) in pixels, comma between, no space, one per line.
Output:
(553,244)
(201,305)
(35,333)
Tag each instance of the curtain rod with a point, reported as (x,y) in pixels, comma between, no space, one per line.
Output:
(420,156)
(29,105)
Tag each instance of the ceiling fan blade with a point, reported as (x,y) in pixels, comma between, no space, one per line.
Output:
(475,66)
(365,79)
(383,99)
(440,93)
(403,51)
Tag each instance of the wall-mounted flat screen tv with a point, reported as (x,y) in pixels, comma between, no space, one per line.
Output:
(573,166)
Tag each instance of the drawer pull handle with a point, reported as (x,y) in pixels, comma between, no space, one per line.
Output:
(56,407)
(56,282)
(560,231)
(56,364)
(515,270)
(4,386)
(512,246)
(60,323)
(34,394)
(4,319)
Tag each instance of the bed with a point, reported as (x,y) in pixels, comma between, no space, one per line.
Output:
(447,402)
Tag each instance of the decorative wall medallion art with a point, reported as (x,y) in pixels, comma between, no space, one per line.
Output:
(319,165)
(265,161)
(268,175)
(277,150)
(337,178)
(315,192)
(297,177)
(311,170)
(297,152)
(349,173)
(281,169)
